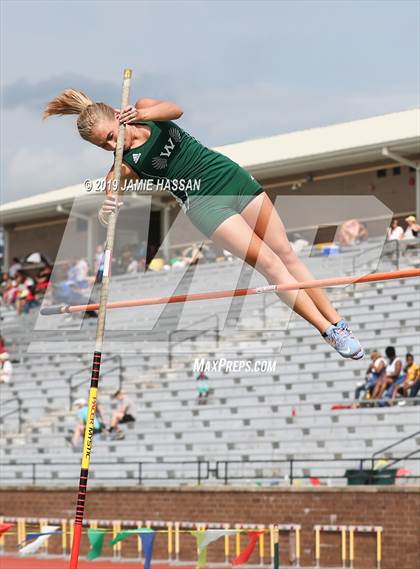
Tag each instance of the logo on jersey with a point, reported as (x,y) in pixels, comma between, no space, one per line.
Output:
(175,134)
(136,157)
(160,162)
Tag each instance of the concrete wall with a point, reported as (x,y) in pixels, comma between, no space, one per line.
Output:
(394,508)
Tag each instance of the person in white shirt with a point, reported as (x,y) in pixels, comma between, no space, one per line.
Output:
(374,373)
(6,368)
(412,229)
(395,231)
(394,373)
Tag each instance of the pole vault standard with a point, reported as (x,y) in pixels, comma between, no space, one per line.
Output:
(316,283)
(96,365)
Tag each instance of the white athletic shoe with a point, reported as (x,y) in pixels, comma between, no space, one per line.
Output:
(343,342)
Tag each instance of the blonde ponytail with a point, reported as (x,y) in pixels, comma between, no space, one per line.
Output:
(73,102)
(70,102)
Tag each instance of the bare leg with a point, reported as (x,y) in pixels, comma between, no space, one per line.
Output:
(238,237)
(264,220)
(116,417)
(78,434)
(383,386)
(395,392)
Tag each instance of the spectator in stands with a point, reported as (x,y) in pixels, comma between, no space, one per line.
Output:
(394,374)
(79,274)
(228,255)
(194,253)
(123,414)
(9,290)
(373,374)
(209,253)
(395,231)
(25,294)
(81,407)
(131,264)
(299,243)
(66,292)
(14,267)
(140,251)
(411,379)
(99,262)
(413,228)
(351,233)
(203,389)
(177,261)
(5,278)
(43,279)
(6,368)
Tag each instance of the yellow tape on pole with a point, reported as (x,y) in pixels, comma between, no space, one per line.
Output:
(378,547)
(297,545)
(226,544)
(351,546)
(343,546)
(317,546)
(64,536)
(261,545)
(42,523)
(71,533)
(177,541)
(272,542)
(238,540)
(170,538)
(90,427)
(2,536)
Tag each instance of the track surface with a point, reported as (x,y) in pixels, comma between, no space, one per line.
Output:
(31,563)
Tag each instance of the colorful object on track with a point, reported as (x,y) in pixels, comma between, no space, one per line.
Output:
(96,541)
(38,540)
(246,553)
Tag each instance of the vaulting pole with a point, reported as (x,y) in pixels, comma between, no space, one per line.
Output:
(320,283)
(96,365)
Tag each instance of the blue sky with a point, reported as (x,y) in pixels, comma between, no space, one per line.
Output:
(240,69)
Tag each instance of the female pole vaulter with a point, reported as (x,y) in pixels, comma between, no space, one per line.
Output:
(230,207)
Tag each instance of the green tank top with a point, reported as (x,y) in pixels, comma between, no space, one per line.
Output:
(178,163)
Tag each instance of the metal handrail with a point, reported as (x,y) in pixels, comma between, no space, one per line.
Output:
(206,470)
(202,470)
(18,410)
(69,380)
(395,461)
(172,343)
(221,470)
(392,445)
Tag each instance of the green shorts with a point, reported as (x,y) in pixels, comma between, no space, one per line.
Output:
(207,212)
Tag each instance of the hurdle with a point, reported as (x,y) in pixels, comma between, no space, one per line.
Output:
(335,529)
(351,530)
(378,530)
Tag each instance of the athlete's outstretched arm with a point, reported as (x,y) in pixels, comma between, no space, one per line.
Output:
(151,110)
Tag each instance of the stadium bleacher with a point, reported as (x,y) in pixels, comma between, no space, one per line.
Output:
(279,415)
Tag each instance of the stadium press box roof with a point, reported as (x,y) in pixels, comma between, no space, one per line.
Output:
(355,142)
